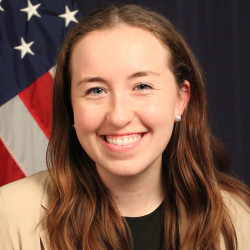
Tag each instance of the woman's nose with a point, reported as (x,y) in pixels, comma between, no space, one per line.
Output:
(120,113)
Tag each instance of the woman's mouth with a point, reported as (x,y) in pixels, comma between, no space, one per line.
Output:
(123,140)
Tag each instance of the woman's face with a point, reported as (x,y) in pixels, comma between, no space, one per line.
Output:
(124,99)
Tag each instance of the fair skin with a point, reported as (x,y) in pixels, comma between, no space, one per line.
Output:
(125,99)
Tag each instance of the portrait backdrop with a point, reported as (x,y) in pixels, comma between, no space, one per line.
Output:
(31,32)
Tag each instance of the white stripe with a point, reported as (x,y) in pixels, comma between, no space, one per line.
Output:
(22,136)
(52,71)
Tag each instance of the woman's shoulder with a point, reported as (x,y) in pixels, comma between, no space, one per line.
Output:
(26,194)
(26,189)
(235,204)
(239,213)
(22,208)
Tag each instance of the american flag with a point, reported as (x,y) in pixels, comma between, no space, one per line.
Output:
(31,32)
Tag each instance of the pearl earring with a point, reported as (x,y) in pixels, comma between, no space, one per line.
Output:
(73,126)
(177,118)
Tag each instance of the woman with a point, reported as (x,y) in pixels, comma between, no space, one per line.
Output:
(132,162)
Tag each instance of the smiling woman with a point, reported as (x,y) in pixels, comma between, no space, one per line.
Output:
(132,162)
(126,79)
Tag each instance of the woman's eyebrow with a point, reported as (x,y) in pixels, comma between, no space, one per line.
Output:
(91,79)
(143,73)
(132,76)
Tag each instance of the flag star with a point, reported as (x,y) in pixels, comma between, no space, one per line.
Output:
(69,16)
(25,48)
(1,8)
(31,10)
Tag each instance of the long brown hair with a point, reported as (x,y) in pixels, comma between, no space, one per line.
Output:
(82,214)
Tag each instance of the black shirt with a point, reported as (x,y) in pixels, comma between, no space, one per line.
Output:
(147,231)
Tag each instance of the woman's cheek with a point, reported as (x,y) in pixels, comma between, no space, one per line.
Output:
(158,114)
(87,118)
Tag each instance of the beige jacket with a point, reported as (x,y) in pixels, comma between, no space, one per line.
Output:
(24,203)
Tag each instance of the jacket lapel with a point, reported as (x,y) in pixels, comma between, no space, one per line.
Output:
(44,234)
(44,237)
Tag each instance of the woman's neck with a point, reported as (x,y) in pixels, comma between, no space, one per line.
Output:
(138,195)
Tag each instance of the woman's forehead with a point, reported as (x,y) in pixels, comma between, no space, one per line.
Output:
(122,41)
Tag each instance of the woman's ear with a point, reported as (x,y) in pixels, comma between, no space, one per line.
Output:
(183,98)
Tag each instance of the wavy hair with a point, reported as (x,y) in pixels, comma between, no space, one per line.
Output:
(82,214)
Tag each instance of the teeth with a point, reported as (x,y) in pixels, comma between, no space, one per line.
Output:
(123,140)
(119,142)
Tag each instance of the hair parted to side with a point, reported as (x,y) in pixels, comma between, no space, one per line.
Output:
(82,215)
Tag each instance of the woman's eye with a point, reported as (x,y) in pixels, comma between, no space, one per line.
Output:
(95,91)
(143,86)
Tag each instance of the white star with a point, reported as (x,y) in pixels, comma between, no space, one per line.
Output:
(25,48)
(69,16)
(31,10)
(1,8)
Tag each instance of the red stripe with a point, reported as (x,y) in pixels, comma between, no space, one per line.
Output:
(38,100)
(9,170)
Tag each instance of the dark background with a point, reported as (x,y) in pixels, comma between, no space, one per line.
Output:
(218,33)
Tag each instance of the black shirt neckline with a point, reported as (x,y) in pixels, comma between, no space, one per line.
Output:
(146,216)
